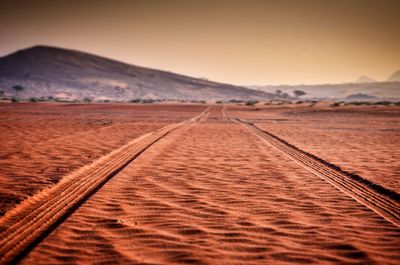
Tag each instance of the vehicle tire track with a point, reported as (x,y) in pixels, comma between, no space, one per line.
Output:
(379,199)
(32,220)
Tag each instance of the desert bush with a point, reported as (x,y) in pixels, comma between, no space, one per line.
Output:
(219,102)
(299,93)
(18,88)
(14,99)
(236,101)
(384,103)
(135,100)
(87,99)
(251,102)
(198,101)
(33,99)
(359,103)
(148,101)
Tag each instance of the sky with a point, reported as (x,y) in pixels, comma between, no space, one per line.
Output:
(245,42)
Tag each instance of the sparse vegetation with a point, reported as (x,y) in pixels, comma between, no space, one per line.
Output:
(18,88)
(198,101)
(251,103)
(15,99)
(144,101)
(33,99)
(384,103)
(299,93)
(149,101)
(219,102)
(359,103)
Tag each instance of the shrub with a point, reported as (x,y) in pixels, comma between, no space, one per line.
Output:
(251,102)
(359,103)
(18,88)
(384,103)
(33,100)
(235,101)
(198,101)
(148,101)
(14,99)
(299,93)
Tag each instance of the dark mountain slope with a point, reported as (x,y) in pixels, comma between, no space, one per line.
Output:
(47,71)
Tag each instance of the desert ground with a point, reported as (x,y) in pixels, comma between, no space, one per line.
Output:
(199,184)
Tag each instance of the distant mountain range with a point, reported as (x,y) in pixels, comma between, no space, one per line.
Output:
(369,88)
(43,71)
(379,90)
(365,79)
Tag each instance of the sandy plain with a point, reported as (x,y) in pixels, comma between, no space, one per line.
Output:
(361,140)
(41,143)
(212,192)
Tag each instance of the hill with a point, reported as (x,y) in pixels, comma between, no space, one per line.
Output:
(365,79)
(379,90)
(395,77)
(360,97)
(43,71)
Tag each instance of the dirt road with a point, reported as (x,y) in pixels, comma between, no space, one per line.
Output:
(208,191)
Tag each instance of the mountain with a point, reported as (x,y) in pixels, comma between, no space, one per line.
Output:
(43,71)
(360,97)
(365,79)
(380,90)
(395,77)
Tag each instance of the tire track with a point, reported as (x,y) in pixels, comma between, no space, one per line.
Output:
(377,198)
(31,221)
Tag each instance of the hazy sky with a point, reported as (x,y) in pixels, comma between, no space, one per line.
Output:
(240,42)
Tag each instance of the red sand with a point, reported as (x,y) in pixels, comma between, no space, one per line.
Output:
(213,193)
(361,140)
(41,143)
